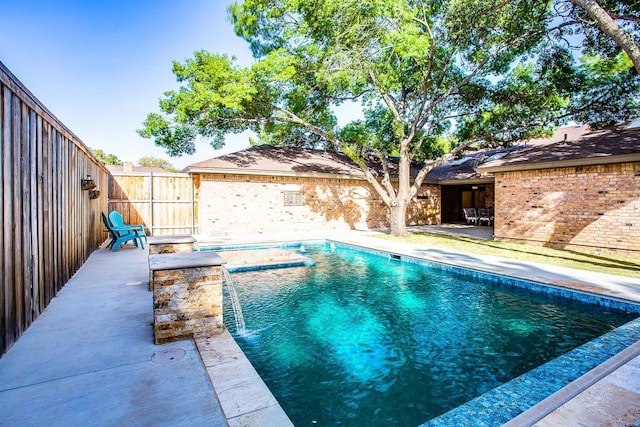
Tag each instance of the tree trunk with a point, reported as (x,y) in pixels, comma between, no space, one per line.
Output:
(398,205)
(611,28)
(398,222)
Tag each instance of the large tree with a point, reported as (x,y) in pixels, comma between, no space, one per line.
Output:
(418,68)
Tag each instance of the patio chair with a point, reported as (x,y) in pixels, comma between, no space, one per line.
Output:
(485,215)
(120,235)
(117,221)
(470,215)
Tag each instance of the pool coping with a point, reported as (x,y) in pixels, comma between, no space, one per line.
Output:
(537,410)
(573,389)
(244,397)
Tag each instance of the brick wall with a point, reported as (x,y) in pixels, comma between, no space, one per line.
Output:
(593,208)
(230,203)
(489,196)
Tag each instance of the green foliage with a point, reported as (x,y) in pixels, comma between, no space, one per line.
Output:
(215,93)
(106,159)
(155,162)
(177,139)
(484,68)
(531,92)
(428,75)
(411,63)
(611,84)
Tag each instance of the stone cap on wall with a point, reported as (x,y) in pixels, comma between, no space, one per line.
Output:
(168,240)
(184,260)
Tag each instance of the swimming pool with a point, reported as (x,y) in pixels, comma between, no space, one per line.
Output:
(363,339)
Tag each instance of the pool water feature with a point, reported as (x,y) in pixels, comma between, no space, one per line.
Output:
(235,302)
(362,339)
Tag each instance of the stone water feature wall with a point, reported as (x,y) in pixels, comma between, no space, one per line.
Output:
(187,295)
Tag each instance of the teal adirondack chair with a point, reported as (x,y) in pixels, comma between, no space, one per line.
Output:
(120,235)
(117,221)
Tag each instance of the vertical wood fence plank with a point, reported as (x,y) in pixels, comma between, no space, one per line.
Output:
(47,211)
(193,207)
(7,205)
(33,215)
(64,212)
(39,214)
(76,233)
(4,141)
(16,244)
(25,227)
(57,223)
(151,218)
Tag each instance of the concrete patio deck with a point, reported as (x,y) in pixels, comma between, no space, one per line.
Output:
(88,359)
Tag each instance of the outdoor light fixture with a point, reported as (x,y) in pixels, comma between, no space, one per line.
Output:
(88,183)
(93,194)
(475,187)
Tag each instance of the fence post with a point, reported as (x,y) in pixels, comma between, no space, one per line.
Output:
(193,205)
(151,201)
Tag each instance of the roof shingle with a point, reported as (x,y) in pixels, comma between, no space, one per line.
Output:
(277,159)
(573,146)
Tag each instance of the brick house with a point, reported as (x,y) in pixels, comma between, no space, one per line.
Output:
(267,189)
(579,190)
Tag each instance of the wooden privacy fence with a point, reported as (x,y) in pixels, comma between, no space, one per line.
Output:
(50,225)
(164,202)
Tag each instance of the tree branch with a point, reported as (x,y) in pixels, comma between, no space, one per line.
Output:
(610,27)
(385,96)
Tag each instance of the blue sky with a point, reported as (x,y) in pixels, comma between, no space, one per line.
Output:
(100,66)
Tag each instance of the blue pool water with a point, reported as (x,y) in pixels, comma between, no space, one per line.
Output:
(362,339)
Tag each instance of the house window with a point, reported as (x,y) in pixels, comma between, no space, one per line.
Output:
(293,198)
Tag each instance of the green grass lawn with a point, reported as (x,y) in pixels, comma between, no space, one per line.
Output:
(611,264)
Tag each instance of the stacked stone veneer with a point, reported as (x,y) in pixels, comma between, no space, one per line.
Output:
(187,295)
(594,208)
(170,244)
(235,203)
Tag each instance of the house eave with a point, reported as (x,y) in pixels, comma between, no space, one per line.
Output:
(265,172)
(471,181)
(552,164)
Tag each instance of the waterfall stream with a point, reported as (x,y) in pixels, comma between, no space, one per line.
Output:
(235,302)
